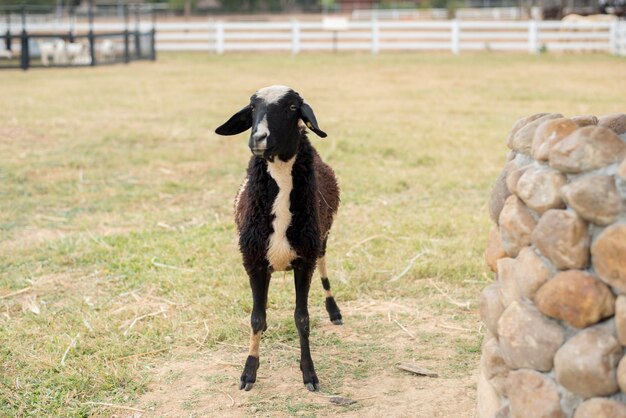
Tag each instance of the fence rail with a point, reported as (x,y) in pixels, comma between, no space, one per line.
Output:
(374,36)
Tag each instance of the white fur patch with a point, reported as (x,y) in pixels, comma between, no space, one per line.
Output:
(279,251)
(272,94)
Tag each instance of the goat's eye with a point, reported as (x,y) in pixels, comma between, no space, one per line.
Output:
(293,107)
(252,106)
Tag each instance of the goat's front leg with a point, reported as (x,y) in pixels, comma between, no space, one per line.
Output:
(303,273)
(259,283)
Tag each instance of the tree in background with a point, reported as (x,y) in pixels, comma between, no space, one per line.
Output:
(242,6)
(50,3)
(186,6)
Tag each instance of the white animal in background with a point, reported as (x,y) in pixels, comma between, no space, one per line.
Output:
(64,53)
(107,50)
(48,50)
(575,18)
(53,50)
(60,53)
(78,53)
(585,29)
(6,53)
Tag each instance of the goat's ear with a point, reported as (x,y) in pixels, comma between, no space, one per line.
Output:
(238,123)
(308,117)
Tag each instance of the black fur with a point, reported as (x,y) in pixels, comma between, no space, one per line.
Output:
(333,310)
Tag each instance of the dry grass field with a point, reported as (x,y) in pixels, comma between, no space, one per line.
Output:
(121,287)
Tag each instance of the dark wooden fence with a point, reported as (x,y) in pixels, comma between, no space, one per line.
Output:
(24,45)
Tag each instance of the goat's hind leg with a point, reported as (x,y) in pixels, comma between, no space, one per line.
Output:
(259,283)
(331,306)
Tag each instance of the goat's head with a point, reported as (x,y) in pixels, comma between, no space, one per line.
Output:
(274,114)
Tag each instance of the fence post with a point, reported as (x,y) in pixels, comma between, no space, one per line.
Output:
(92,47)
(295,36)
(375,35)
(455,42)
(25,54)
(614,37)
(153,36)
(620,38)
(533,35)
(137,33)
(74,21)
(90,35)
(219,37)
(126,35)
(8,36)
(126,46)
(72,28)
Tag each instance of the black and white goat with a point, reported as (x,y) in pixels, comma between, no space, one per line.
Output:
(284,211)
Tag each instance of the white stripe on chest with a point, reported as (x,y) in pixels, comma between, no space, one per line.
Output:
(279,251)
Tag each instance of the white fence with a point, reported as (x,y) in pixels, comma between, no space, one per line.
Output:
(376,36)
(619,47)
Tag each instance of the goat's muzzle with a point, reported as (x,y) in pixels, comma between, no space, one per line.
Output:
(258,143)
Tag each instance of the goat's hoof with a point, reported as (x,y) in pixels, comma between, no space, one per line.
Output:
(336,318)
(248,377)
(310,379)
(333,311)
(243,385)
(313,387)
(246,386)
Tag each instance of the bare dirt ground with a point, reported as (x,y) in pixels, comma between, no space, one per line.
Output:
(206,384)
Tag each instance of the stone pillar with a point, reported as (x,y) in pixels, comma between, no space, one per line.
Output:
(555,317)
